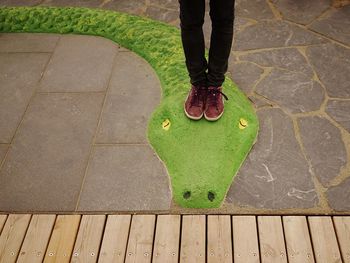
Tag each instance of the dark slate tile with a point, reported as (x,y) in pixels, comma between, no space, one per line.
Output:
(254,9)
(19,77)
(301,11)
(245,75)
(170,4)
(240,23)
(207,30)
(275,174)
(125,178)
(335,25)
(339,196)
(79,64)
(45,165)
(161,14)
(288,58)
(324,147)
(78,3)
(19,2)
(259,102)
(291,90)
(131,7)
(271,33)
(339,110)
(332,65)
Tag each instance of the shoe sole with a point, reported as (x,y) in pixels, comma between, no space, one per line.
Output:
(213,119)
(192,117)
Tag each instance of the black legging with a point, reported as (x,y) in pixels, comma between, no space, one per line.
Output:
(192,19)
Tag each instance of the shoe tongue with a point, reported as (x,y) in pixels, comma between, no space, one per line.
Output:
(214,88)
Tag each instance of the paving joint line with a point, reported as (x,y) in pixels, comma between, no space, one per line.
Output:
(257,50)
(319,34)
(276,13)
(27,107)
(320,16)
(319,188)
(92,142)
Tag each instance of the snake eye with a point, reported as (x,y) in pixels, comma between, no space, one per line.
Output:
(166,124)
(242,123)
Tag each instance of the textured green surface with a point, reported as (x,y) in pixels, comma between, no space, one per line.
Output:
(200,156)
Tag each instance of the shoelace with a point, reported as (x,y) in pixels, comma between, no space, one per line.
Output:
(212,95)
(197,95)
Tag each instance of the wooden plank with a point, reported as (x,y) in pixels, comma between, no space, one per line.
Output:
(245,239)
(193,239)
(272,247)
(297,238)
(141,239)
(36,239)
(62,239)
(219,245)
(166,242)
(342,228)
(89,238)
(2,221)
(12,237)
(115,239)
(324,239)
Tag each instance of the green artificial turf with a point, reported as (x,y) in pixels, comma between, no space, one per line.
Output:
(201,157)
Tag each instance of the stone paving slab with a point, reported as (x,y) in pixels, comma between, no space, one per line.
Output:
(46,163)
(288,59)
(129,103)
(335,24)
(324,146)
(27,42)
(170,4)
(292,91)
(339,196)
(19,76)
(302,12)
(269,33)
(77,3)
(245,75)
(258,9)
(3,150)
(161,14)
(135,6)
(19,2)
(339,110)
(275,174)
(125,178)
(79,64)
(325,59)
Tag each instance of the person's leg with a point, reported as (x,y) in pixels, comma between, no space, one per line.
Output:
(222,18)
(191,22)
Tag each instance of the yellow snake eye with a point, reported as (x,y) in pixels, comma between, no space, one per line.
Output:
(166,124)
(242,123)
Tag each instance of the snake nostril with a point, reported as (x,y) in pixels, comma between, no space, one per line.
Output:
(187,194)
(211,196)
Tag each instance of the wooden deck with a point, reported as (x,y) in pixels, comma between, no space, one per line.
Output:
(173,238)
